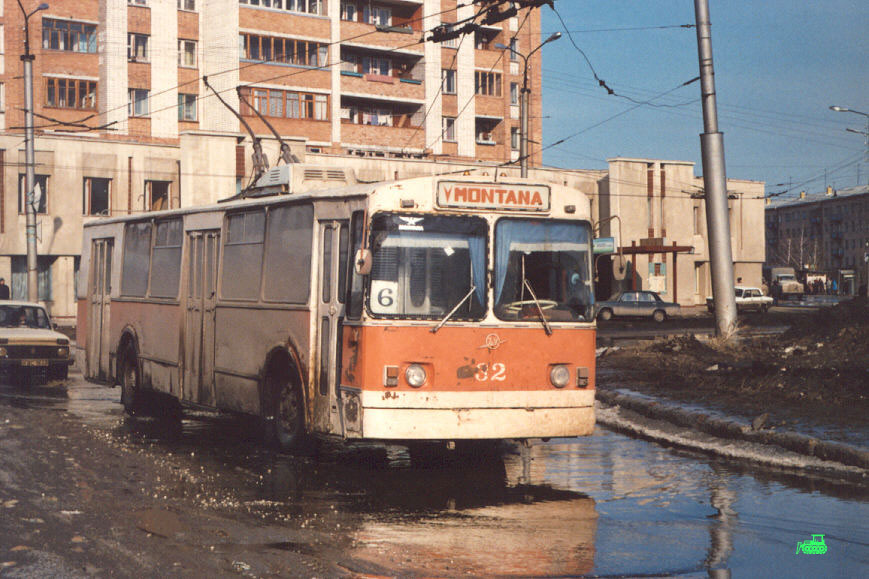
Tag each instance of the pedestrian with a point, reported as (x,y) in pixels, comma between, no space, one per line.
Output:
(834,288)
(4,289)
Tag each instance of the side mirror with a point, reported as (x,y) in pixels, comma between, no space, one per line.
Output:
(363,261)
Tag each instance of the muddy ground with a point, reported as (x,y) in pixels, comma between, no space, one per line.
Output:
(818,369)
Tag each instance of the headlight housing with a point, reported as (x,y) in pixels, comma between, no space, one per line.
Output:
(415,375)
(559,375)
(62,352)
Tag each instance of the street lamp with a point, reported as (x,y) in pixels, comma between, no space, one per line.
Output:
(847,110)
(30,178)
(523,100)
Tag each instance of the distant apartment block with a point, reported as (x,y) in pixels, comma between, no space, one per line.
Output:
(822,233)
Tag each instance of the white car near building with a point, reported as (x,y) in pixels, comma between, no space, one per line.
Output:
(29,345)
(747,299)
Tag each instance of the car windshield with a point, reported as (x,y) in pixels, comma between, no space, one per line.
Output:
(786,277)
(424,266)
(23,317)
(543,265)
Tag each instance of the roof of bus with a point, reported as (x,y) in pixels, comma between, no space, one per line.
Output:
(343,191)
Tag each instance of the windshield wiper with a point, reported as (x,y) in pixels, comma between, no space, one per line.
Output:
(546,326)
(452,311)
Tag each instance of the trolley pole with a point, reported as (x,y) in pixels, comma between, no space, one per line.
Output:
(715,183)
(29,158)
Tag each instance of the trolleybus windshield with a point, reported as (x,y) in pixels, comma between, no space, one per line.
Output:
(543,265)
(423,266)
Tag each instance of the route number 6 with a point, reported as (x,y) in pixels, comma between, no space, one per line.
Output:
(497,373)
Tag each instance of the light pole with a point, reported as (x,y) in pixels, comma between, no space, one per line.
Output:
(866,133)
(30,178)
(523,100)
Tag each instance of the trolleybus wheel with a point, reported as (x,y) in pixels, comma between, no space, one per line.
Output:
(285,428)
(132,397)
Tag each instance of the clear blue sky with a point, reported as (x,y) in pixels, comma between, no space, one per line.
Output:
(779,65)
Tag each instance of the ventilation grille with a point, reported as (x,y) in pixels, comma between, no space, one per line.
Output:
(325,175)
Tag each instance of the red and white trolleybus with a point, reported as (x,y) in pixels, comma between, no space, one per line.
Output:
(428,309)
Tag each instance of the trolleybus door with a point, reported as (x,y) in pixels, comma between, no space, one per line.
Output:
(100,290)
(330,314)
(199,329)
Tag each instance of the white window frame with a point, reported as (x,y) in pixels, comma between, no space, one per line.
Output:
(187,107)
(185,48)
(448,126)
(448,80)
(134,44)
(138,103)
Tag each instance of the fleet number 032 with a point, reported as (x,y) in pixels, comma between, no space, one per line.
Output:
(497,372)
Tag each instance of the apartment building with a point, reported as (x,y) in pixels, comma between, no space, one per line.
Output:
(126,120)
(824,234)
(656,210)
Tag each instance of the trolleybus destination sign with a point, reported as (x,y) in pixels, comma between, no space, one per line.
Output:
(510,196)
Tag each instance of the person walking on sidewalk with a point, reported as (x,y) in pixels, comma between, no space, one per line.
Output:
(4,289)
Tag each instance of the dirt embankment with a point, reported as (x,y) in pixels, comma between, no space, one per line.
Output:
(818,368)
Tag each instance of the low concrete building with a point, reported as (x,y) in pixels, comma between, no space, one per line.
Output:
(657,213)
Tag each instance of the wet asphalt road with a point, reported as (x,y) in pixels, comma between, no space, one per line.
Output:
(85,491)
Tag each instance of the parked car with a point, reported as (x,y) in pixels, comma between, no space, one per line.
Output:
(29,345)
(644,304)
(747,298)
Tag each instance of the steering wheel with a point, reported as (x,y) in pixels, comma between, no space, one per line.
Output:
(516,307)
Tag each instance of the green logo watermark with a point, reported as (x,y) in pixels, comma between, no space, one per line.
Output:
(814,546)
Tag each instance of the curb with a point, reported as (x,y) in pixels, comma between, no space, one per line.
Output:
(732,429)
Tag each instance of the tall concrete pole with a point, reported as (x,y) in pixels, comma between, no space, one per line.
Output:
(715,184)
(523,126)
(29,160)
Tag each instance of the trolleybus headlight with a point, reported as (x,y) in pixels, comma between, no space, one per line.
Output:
(62,352)
(559,376)
(415,375)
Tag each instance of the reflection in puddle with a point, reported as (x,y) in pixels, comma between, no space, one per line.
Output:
(605,504)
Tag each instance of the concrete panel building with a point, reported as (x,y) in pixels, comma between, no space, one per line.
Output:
(822,235)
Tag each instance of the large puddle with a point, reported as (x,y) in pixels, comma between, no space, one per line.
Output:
(605,505)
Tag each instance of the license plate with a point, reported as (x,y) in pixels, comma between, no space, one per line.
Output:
(34,362)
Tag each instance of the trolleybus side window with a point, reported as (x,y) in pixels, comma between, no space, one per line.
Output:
(542,265)
(287,270)
(426,266)
(243,255)
(137,259)
(343,240)
(354,300)
(166,267)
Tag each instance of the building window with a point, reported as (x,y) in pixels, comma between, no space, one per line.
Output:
(449,128)
(377,15)
(698,226)
(189,5)
(40,192)
(376,65)
(450,43)
(187,107)
(157,194)
(289,104)
(448,79)
(96,198)
(43,277)
(515,137)
(138,103)
(137,47)
(282,50)
(304,6)
(138,2)
(69,36)
(349,11)
(488,83)
(514,93)
(514,50)
(187,53)
(70,93)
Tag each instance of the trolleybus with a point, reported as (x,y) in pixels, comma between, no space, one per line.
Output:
(427,309)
